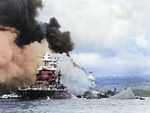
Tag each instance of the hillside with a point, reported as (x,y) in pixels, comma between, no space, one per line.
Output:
(138,84)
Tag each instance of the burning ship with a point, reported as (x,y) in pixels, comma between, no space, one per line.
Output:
(47,83)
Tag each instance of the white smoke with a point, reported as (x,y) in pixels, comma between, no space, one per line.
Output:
(73,77)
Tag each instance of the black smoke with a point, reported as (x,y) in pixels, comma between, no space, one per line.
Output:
(21,14)
(60,41)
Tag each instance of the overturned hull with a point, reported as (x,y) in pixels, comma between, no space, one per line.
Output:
(125,94)
(44,93)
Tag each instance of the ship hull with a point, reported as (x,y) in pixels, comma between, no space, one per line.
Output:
(40,94)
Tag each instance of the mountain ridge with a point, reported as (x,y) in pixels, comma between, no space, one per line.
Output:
(120,82)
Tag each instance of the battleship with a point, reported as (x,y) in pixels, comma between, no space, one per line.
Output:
(93,92)
(47,83)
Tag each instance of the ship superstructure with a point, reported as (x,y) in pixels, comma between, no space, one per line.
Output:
(91,78)
(47,82)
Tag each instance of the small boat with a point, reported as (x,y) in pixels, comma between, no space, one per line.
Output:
(141,98)
(9,96)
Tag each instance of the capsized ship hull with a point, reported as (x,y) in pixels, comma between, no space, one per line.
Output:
(125,94)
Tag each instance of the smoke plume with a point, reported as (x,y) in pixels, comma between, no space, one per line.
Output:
(18,65)
(23,40)
(21,14)
(60,41)
(73,77)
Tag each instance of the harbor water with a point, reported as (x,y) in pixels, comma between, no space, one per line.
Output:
(75,105)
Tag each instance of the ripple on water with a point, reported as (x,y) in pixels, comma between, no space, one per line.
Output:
(75,106)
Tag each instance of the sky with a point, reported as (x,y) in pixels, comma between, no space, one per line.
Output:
(111,37)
